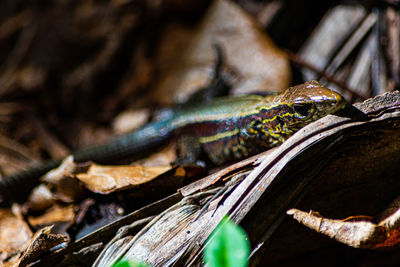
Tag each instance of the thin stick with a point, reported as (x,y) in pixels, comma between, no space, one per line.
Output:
(297,60)
(393,48)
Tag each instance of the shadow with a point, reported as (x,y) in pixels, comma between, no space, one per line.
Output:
(349,111)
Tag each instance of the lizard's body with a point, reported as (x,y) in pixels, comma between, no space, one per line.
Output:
(226,129)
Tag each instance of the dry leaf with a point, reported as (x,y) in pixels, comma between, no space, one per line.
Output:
(107,179)
(40,243)
(68,189)
(55,214)
(55,176)
(165,156)
(258,63)
(355,231)
(40,199)
(14,234)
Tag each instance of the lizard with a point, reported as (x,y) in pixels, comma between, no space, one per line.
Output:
(226,129)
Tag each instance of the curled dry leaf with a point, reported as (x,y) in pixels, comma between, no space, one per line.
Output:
(67,167)
(107,179)
(247,51)
(40,243)
(55,214)
(354,231)
(40,199)
(62,178)
(14,234)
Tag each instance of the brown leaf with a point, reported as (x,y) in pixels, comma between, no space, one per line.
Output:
(14,234)
(40,199)
(55,214)
(354,231)
(107,179)
(40,243)
(165,156)
(62,179)
(248,51)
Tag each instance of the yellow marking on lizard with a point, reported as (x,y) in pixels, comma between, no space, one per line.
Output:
(213,138)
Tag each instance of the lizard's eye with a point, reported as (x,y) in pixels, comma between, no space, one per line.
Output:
(303,110)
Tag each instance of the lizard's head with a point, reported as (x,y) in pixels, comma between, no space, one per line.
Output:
(310,101)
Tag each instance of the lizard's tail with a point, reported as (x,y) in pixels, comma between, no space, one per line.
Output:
(147,137)
(18,186)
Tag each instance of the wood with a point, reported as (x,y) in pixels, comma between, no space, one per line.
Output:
(258,198)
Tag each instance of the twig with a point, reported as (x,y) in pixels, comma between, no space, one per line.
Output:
(48,140)
(351,43)
(378,72)
(297,60)
(393,47)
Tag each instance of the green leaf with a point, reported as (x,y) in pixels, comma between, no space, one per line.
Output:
(228,246)
(129,263)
